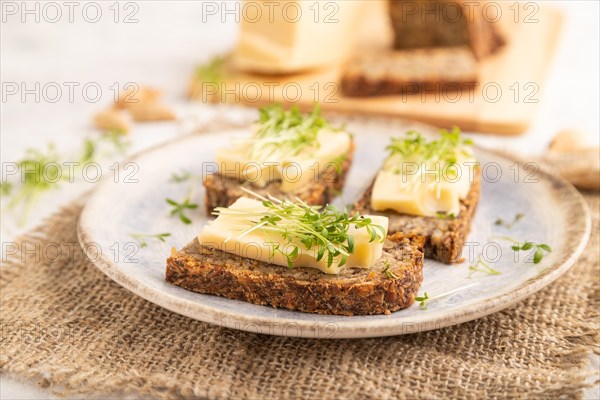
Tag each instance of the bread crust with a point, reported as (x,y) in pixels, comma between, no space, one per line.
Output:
(355,291)
(410,72)
(444,238)
(222,191)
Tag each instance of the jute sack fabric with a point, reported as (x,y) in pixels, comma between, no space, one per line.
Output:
(69,327)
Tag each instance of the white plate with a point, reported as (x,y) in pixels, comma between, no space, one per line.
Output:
(554,212)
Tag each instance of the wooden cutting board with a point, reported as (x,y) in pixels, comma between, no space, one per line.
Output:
(504,102)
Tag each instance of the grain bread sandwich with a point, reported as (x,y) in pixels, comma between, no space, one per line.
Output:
(410,72)
(430,189)
(288,155)
(291,255)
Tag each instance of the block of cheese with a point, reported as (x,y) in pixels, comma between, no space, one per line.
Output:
(293,36)
(230,232)
(261,166)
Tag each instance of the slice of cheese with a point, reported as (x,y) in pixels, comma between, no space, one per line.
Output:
(423,195)
(293,36)
(225,233)
(294,170)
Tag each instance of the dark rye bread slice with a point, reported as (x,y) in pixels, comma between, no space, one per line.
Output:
(440,70)
(445,23)
(444,238)
(355,291)
(222,191)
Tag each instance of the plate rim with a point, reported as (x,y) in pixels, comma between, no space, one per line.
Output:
(345,329)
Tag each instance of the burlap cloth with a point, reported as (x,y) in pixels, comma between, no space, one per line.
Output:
(70,328)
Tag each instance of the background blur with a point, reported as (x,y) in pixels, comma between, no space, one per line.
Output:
(170,38)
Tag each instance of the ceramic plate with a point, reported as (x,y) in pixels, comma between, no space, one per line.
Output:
(134,203)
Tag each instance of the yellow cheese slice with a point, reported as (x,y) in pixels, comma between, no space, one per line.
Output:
(421,195)
(225,233)
(294,170)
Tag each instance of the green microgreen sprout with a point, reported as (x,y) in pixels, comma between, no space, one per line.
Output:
(540,250)
(422,301)
(5,188)
(179,208)
(425,299)
(482,266)
(443,215)
(386,270)
(516,219)
(92,146)
(142,237)
(180,177)
(212,71)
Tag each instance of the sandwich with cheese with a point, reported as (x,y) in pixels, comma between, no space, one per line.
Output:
(428,188)
(288,155)
(289,254)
